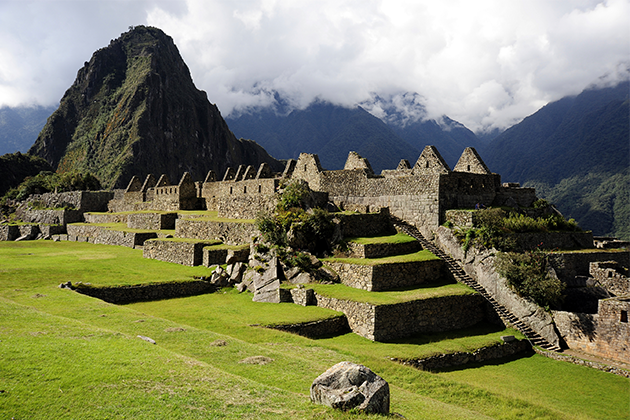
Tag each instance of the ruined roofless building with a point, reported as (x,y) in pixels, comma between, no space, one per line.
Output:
(419,194)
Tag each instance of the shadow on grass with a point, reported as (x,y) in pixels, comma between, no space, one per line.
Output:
(493,362)
(483,328)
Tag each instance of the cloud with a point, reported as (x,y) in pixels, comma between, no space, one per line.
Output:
(487,63)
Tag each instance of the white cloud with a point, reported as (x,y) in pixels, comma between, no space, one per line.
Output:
(484,63)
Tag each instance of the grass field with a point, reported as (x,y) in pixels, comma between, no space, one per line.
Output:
(65,355)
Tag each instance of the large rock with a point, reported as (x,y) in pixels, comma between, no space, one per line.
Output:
(348,385)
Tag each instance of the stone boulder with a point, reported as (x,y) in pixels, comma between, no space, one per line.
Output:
(348,385)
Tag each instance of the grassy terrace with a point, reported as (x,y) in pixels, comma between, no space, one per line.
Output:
(66,355)
(399,238)
(423,255)
(340,291)
(211,216)
(123,228)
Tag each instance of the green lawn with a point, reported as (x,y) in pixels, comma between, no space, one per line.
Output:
(422,255)
(399,238)
(66,355)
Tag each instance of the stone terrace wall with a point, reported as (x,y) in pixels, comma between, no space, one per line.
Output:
(555,240)
(368,224)
(101,235)
(128,294)
(80,200)
(383,277)
(570,264)
(245,206)
(9,232)
(459,358)
(230,233)
(382,249)
(217,254)
(322,328)
(437,314)
(105,217)
(50,217)
(179,252)
(151,221)
(360,315)
(391,322)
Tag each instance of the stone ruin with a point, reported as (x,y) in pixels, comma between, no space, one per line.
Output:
(422,195)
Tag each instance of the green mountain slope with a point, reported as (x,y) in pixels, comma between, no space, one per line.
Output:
(133,110)
(576,152)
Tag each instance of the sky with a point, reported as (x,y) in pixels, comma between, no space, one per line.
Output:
(485,63)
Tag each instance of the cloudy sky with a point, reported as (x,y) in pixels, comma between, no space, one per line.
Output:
(485,63)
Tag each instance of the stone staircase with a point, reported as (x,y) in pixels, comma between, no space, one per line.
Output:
(460,275)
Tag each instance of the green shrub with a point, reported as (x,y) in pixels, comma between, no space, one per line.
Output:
(294,195)
(526,273)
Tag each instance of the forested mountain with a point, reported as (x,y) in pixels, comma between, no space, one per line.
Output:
(332,131)
(132,110)
(19,127)
(576,152)
(328,130)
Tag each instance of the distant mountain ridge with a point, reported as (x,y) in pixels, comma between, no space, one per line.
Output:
(19,126)
(332,131)
(576,152)
(132,110)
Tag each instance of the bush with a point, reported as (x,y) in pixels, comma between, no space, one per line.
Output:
(527,275)
(294,195)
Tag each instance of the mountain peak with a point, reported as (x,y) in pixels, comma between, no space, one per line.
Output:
(133,110)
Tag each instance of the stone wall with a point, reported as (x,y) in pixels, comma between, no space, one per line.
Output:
(554,240)
(230,233)
(568,265)
(120,295)
(377,250)
(462,218)
(605,334)
(50,217)
(188,252)
(151,221)
(383,277)
(479,264)
(9,232)
(322,328)
(80,200)
(437,314)
(101,235)
(105,217)
(611,276)
(217,254)
(368,224)
(460,358)
(391,322)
